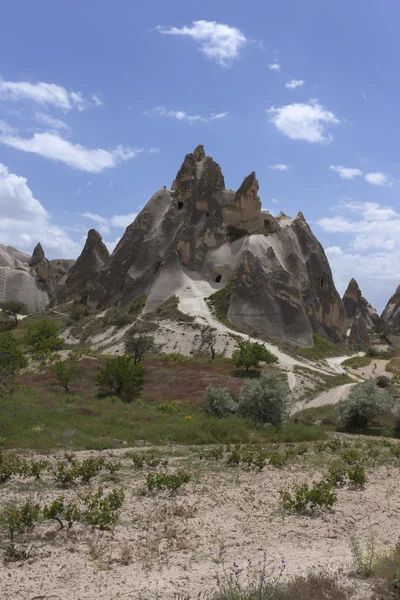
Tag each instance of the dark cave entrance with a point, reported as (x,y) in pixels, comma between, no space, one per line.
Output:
(218,278)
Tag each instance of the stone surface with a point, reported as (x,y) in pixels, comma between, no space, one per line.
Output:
(80,278)
(37,256)
(283,286)
(389,323)
(362,318)
(17,282)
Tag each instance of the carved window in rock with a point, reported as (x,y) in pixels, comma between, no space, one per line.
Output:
(180,204)
(321,282)
(218,278)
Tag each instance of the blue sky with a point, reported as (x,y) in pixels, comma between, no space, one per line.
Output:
(99,103)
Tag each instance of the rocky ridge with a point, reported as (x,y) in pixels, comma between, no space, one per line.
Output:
(362,318)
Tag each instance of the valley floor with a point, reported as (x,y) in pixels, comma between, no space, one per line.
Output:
(177,546)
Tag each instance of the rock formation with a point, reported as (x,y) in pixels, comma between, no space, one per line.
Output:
(389,323)
(17,282)
(84,272)
(195,237)
(362,318)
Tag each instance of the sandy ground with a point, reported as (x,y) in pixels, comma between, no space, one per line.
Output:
(376,368)
(165,545)
(333,396)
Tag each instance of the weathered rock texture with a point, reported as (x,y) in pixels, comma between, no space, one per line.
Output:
(389,323)
(81,276)
(362,318)
(17,282)
(198,231)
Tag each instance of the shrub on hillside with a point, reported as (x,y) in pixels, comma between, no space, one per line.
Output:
(219,402)
(12,360)
(266,399)
(365,402)
(66,371)
(42,337)
(250,354)
(120,377)
(140,345)
(13,308)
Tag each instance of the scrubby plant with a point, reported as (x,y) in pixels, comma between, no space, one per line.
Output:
(266,399)
(60,509)
(65,372)
(357,476)
(351,456)
(12,360)
(169,407)
(13,308)
(219,402)
(365,402)
(214,453)
(383,381)
(35,468)
(19,519)
(306,498)
(42,336)
(175,358)
(149,459)
(172,482)
(140,345)
(395,450)
(101,509)
(65,473)
(89,468)
(250,354)
(120,377)
(337,475)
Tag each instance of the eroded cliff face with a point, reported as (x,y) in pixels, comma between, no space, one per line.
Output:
(82,275)
(362,319)
(198,231)
(389,323)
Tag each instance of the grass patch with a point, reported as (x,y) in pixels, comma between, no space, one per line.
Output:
(169,310)
(393,366)
(322,349)
(219,302)
(356,362)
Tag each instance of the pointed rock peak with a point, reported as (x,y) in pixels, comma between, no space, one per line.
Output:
(250,184)
(199,153)
(94,243)
(37,256)
(353,290)
(93,237)
(301,216)
(282,215)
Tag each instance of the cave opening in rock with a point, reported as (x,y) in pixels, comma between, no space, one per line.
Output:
(321,281)
(218,278)
(207,214)
(180,204)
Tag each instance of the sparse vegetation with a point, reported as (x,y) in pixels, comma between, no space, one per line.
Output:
(322,349)
(307,498)
(66,372)
(250,354)
(171,482)
(12,360)
(13,308)
(138,346)
(41,337)
(265,400)
(120,377)
(219,402)
(219,303)
(357,362)
(364,402)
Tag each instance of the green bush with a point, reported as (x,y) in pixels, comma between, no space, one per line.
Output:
(219,402)
(13,308)
(120,377)
(383,381)
(250,354)
(12,360)
(100,509)
(65,473)
(169,407)
(42,337)
(140,345)
(147,458)
(171,482)
(219,302)
(265,400)
(66,371)
(357,476)
(365,402)
(60,509)
(306,498)
(19,519)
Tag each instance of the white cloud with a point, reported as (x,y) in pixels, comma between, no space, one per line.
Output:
(24,221)
(303,121)
(104,224)
(294,83)
(154,150)
(274,66)
(49,94)
(279,167)
(378,178)
(345,172)
(274,200)
(123,220)
(51,121)
(97,100)
(368,249)
(181,115)
(217,41)
(53,146)
(111,245)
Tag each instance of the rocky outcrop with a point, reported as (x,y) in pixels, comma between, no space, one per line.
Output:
(181,243)
(18,282)
(362,318)
(84,272)
(389,323)
(37,256)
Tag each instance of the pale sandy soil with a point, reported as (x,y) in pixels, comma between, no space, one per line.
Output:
(171,545)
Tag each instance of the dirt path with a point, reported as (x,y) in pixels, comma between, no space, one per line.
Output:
(333,396)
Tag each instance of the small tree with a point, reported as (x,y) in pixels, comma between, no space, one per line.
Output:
(250,354)
(66,372)
(365,402)
(139,345)
(120,377)
(219,402)
(266,399)
(42,337)
(12,359)
(13,308)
